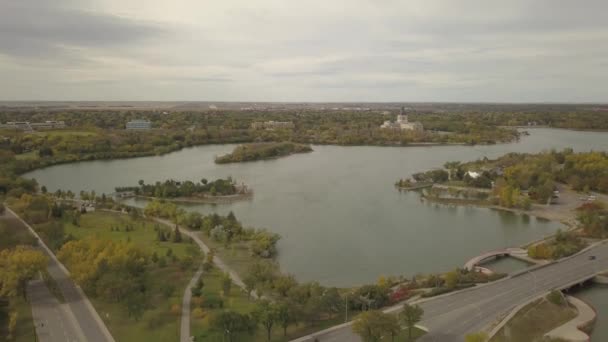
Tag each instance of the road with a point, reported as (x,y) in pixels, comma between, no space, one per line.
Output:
(91,325)
(53,321)
(450,317)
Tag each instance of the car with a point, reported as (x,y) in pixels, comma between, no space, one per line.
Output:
(592,257)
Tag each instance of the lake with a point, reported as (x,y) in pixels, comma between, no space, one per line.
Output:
(341,220)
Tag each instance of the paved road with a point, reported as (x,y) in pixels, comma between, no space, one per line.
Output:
(93,328)
(449,318)
(53,321)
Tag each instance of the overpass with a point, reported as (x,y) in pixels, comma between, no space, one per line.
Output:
(452,316)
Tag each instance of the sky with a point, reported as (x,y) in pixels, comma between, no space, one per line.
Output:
(313,50)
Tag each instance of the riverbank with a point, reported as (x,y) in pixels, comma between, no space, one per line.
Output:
(562,210)
(199,200)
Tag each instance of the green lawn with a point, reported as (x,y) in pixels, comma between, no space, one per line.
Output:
(99,223)
(533,321)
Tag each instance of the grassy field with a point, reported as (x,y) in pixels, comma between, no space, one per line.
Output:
(66,132)
(236,255)
(238,301)
(533,321)
(99,224)
(160,322)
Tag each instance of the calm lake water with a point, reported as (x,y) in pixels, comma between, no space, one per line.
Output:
(341,220)
(598,297)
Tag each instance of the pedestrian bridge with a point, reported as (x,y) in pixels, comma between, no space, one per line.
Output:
(518,253)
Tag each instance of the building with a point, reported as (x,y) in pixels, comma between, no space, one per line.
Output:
(403,123)
(47,125)
(31,126)
(139,125)
(270,125)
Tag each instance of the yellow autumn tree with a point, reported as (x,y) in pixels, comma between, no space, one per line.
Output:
(17,266)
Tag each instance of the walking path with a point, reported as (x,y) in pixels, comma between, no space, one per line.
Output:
(216,260)
(93,328)
(569,331)
(186,305)
(186,301)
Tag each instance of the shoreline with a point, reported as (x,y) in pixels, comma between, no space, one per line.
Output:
(197,200)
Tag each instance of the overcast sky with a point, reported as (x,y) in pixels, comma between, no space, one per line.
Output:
(306,50)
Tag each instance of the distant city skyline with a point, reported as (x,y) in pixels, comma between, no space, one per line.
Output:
(314,51)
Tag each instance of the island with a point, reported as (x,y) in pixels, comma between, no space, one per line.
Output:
(262,151)
(217,191)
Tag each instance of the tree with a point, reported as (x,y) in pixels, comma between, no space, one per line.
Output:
(284,283)
(226,284)
(230,323)
(374,325)
(177,235)
(17,267)
(452,278)
(266,314)
(285,316)
(410,316)
(476,337)
(250,282)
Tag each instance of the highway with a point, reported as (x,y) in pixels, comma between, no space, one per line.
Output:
(449,318)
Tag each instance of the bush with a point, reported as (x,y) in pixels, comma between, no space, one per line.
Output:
(556,297)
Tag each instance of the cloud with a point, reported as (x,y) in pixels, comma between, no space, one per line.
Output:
(50,30)
(287,50)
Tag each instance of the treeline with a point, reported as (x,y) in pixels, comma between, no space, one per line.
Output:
(226,229)
(175,189)
(517,179)
(562,245)
(261,151)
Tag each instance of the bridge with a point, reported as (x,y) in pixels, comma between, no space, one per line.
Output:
(518,253)
(450,317)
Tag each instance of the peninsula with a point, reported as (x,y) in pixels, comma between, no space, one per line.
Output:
(262,151)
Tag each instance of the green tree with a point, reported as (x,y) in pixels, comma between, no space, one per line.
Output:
(266,314)
(410,316)
(177,235)
(476,337)
(231,323)
(374,325)
(226,283)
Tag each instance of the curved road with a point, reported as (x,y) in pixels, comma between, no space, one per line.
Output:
(451,317)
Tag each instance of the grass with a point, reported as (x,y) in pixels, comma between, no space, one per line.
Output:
(27,155)
(66,132)
(534,320)
(404,335)
(237,255)
(161,320)
(238,301)
(99,224)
